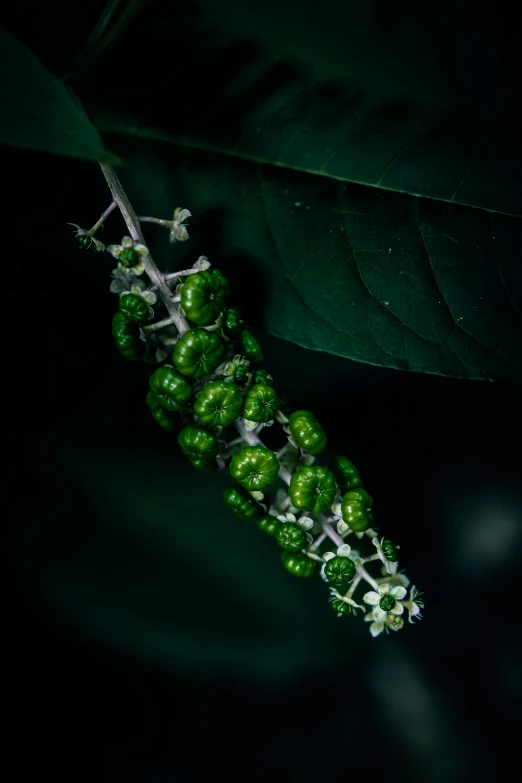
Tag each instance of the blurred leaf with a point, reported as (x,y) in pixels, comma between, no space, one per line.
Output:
(39,111)
(145,557)
(383,278)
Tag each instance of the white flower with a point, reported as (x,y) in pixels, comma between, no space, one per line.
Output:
(385,602)
(81,232)
(124,279)
(229,369)
(342,551)
(202,263)
(390,566)
(305,523)
(178,231)
(137,290)
(414,605)
(393,621)
(128,253)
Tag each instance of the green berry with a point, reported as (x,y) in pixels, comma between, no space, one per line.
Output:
(339,570)
(197,352)
(255,468)
(218,403)
(127,338)
(346,474)
(250,347)
(83,241)
(387,603)
(298,564)
(128,257)
(356,510)
(135,308)
(197,443)
(204,295)
(231,323)
(307,432)
(291,537)
(173,390)
(263,377)
(241,373)
(341,607)
(260,403)
(243,505)
(312,488)
(390,550)
(168,420)
(269,524)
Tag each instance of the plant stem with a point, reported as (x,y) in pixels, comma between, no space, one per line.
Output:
(102,219)
(157,325)
(335,537)
(134,229)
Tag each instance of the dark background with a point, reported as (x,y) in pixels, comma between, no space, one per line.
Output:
(134,655)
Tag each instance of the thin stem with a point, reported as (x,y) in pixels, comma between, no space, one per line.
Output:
(167,223)
(318,541)
(158,325)
(365,575)
(335,537)
(181,273)
(353,587)
(102,219)
(134,229)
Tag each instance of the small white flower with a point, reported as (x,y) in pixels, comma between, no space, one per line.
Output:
(127,249)
(124,279)
(257,495)
(178,231)
(281,418)
(202,263)
(414,605)
(342,527)
(392,621)
(81,232)
(137,290)
(390,566)
(386,601)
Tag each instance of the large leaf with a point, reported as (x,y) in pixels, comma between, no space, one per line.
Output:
(39,112)
(379,277)
(378,273)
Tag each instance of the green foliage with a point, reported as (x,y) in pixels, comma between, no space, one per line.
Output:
(39,112)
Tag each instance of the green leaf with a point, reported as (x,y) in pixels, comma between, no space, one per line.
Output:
(350,207)
(39,112)
(154,565)
(378,277)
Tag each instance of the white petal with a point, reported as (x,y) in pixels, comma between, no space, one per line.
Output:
(378,613)
(342,527)
(309,538)
(344,550)
(201,264)
(257,495)
(141,249)
(336,508)
(384,589)
(290,517)
(250,425)
(328,555)
(127,242)
(181,214)
(305,523)
(371,598)
(397,609)
(376,629)
(115,250)
(398,593)
(415,609)
(150,297)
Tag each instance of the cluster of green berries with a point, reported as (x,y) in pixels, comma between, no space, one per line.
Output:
(213,381)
